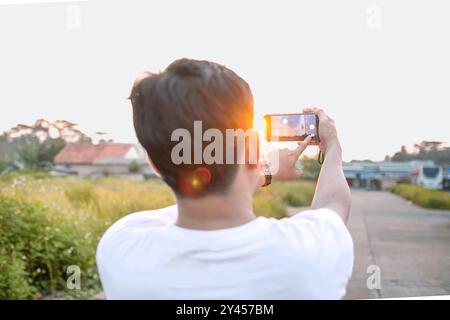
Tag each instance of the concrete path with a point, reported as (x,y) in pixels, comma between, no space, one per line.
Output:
(409,244)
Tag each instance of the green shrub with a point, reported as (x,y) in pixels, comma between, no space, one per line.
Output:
(57,222)
(428,198)
(134,167)
(14,281)
(4,165)
(35,250)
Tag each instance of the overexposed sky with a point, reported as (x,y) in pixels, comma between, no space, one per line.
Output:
(380,68)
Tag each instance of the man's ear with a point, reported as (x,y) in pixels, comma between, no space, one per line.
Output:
(152,166)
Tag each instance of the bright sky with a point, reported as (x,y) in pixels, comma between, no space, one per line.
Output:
(380,68)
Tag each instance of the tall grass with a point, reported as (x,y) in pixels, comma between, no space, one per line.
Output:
(434,199)
(48,224)
(273,201)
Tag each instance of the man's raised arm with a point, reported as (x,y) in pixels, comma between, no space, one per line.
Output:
(332,190)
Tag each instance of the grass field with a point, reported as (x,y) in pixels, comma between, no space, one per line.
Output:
(434,199)
(48,224)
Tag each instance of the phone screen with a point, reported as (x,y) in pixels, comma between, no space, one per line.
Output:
(291,127)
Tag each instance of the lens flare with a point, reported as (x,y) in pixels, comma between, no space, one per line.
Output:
(194,182)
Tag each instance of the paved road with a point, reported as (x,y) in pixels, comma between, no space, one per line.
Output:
(411,246)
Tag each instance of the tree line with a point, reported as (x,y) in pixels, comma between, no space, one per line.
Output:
(34,147)
(437,151)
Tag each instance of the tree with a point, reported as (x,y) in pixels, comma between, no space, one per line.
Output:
(3,137)
(437,151)
(6,159)
(311,167)
(4,165)
(134,167)
(401,155)
(35,146)
(33,154)
(28,152)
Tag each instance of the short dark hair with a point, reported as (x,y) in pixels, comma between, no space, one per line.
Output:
(187,91)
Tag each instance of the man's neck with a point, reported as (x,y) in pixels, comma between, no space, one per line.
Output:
(215,211)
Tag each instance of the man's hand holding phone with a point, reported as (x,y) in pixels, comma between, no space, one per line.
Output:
(284,160)
(327,130)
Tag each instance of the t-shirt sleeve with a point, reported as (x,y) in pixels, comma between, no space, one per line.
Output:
(323,238)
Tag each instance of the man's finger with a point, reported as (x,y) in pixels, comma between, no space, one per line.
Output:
(302,146)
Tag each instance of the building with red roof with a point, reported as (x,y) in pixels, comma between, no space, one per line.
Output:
(103,159)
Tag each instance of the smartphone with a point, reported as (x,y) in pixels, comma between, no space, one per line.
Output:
(292,127)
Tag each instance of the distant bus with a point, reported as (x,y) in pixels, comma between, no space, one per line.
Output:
(430,176)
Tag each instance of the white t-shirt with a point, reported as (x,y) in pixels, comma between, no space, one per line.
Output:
(146,256)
